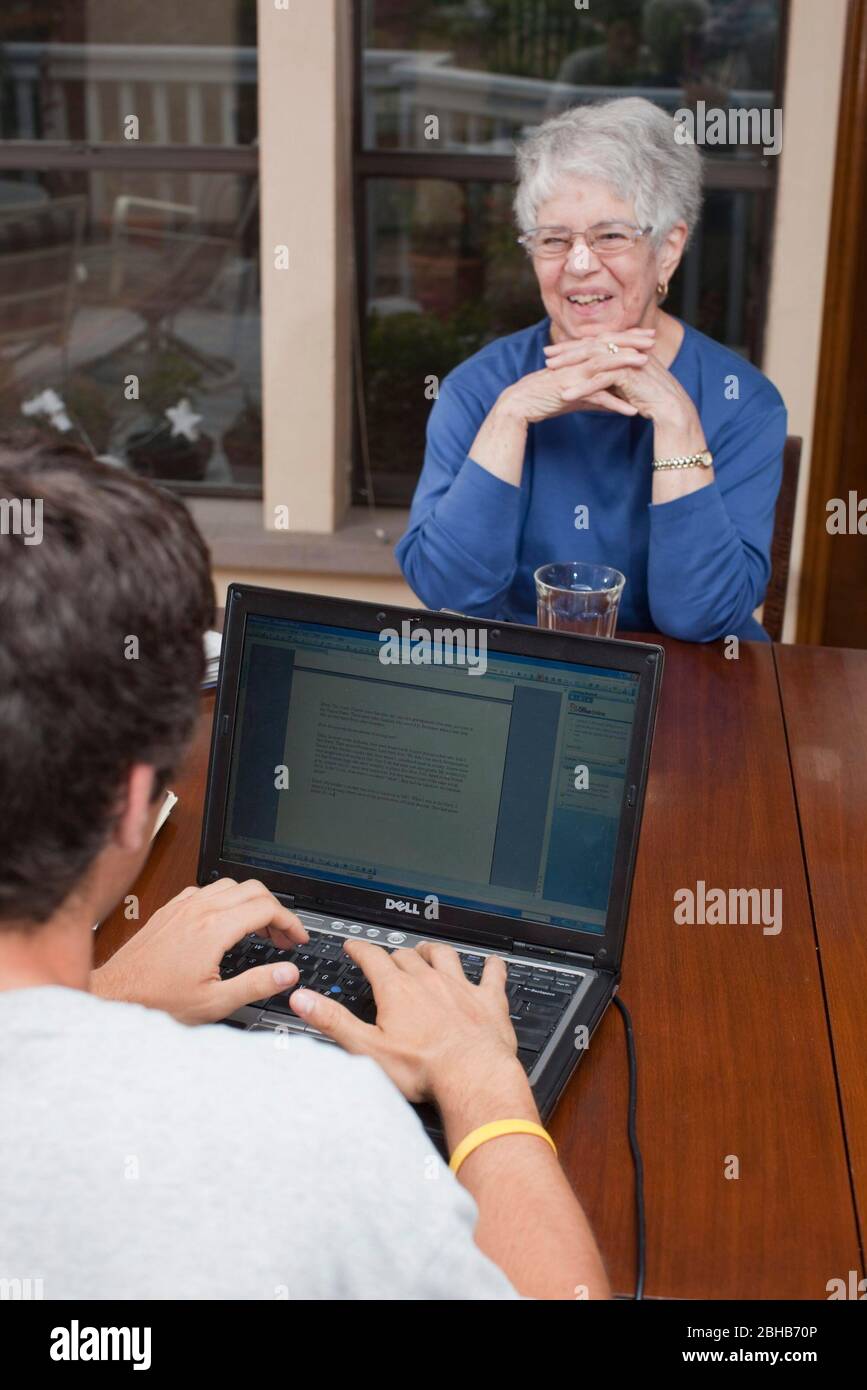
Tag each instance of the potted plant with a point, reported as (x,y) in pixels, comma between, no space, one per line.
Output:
(170,443)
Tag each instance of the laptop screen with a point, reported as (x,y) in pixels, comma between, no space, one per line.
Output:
(495,785)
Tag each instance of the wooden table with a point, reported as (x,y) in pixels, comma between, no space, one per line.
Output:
(824,691)
(743,1038)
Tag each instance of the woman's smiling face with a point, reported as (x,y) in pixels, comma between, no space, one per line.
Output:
(616,292)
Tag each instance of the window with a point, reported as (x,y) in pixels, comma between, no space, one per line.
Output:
(129,248)
(445,89)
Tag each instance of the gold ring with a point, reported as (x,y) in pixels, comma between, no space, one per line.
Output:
(612,347)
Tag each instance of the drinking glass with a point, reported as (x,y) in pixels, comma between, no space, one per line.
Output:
(577,597)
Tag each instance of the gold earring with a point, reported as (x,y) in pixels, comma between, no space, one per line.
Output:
(662,288)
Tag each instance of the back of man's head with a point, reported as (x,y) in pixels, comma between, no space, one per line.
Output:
(105,592)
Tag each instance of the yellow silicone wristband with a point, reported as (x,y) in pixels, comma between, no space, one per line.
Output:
(495,1130)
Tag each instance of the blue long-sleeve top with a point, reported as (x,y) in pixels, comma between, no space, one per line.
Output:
(695,567)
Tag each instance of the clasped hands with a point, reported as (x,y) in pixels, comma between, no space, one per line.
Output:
(582,374)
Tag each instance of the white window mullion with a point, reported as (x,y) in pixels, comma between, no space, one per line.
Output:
(306,399)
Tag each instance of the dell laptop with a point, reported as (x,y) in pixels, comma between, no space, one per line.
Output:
(396,775)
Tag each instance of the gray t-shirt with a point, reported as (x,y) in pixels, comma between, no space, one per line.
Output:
(143,1159)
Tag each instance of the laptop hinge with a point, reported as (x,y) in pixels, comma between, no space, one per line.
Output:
(525,948)
(287,899)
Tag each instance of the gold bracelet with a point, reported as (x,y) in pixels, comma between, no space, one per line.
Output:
(495,1130)
(702,460)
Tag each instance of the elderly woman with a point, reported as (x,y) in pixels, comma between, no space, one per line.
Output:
(672,443)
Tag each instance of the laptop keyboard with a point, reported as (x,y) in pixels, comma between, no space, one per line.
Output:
(537,995)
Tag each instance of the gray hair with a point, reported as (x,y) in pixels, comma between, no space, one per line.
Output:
(627,144)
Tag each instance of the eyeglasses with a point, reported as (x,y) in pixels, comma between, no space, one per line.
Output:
(603,239)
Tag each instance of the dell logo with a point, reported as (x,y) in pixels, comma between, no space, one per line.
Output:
(398,905)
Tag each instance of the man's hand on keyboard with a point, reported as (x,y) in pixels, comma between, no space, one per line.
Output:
(173,962)
(430,1019)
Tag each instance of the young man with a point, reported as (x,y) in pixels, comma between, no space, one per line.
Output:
(145,1159)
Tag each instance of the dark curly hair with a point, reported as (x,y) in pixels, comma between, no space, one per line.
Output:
(117,559)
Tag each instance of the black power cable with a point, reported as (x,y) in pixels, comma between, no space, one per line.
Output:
(636,1151)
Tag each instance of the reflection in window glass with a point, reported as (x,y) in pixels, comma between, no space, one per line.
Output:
(140,315)
(489,69)
(445,275)
(72,70)
(131,296)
